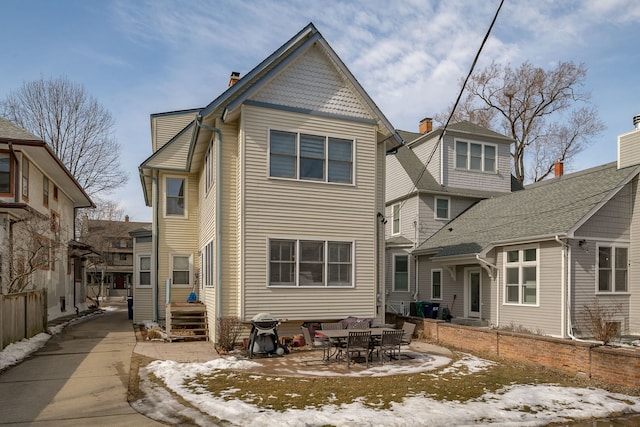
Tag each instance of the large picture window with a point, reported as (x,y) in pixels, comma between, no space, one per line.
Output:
(175,196)
(401,273)
(310,263)
(476,156)
(612,269)
(310,157)
(521,275)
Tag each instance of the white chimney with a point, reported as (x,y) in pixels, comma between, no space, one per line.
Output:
(636,121)
(628,143)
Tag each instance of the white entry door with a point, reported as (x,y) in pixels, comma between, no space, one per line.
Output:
(473,292)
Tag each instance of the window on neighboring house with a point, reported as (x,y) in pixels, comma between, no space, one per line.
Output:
(123,257)
(475,156)
(175,196)
(521,275)
(442,208)
(5,173)
(310,157)
(395,220)
(25,178)
(401,273)
(45,191)
(144,270)
(436,284)
(181,269)
(310,263)
(55,192)
(612,269)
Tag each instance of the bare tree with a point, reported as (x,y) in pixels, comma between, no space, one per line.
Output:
(34,245)
(537,108)
(78,129)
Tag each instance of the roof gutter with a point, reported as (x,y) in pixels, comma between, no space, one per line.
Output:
(218,226)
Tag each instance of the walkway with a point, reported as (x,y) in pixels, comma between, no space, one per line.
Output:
(79,378)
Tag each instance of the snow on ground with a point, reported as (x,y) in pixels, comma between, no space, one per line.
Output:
(518,405)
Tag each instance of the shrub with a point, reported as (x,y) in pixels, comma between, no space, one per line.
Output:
(600,321)
(229,329)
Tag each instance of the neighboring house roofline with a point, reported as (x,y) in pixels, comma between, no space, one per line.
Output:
(464,129)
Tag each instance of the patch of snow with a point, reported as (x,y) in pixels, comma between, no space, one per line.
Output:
(18,351)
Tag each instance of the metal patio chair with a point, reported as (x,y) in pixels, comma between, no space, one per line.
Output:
(390,344)
(358,342)
(408,329)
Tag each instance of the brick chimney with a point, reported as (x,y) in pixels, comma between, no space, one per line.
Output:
(558,167)
(126,218)
(426,125)
(235,76)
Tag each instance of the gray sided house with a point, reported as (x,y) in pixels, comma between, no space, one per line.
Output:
(539,258)
(269,198)
(467,164)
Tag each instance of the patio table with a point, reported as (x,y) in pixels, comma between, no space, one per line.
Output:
(341,335)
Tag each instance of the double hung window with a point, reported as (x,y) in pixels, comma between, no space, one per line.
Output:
(5,173)
(401,273)
(395,220)
(25,178)
(181,269)
(436,284)
(441,208)
(175,196)
(476,156)
(310,157)
(521,285)
(612,269)
(144,270)
(310,263)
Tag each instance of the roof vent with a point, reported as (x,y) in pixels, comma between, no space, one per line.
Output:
(636,121)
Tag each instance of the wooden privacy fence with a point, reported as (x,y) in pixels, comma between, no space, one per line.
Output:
(22,315)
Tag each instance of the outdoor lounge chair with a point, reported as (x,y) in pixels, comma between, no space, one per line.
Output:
(408,329)
(359,342)
(390,344)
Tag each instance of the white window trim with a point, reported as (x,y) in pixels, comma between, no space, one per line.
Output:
(435,207)
(181,254)
(393,219)
(326,160)
(138,271)
(613,246)
(209,168)
(521,264)
(207,266)
(326,285)
(164,196)
(433,270)
(393,272)
(468,154)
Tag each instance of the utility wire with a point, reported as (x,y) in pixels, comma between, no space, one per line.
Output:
(455,105)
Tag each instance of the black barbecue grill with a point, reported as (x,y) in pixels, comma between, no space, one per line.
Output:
(263,338)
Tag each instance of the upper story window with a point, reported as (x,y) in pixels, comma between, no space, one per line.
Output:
(310,263)
(441,208)
(613,275)
(208,167)
(5,173)
(310,157)
(521,274)
(476,156)
(175,196)
(45,191)
(395,220)
(25,178)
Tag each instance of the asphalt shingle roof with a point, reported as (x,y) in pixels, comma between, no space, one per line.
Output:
(9,130)
(547,208)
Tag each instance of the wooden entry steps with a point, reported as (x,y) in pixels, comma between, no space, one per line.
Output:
(187,321)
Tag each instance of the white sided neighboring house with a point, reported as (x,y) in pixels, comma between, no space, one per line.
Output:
(269,199)
(38,202)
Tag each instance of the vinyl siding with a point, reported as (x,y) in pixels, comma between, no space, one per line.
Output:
(164,128)
(634,261)
(398,301)
(450,286)
(629,149)
(142,297)
(408,214)
(398,184)
(500,181)
(613,220)
(424,151)
(177,235)
(173,156)
(546,317)
(275,208)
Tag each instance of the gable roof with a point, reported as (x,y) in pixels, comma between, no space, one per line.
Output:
(46,160)
(463,128)
(192,141)
(555,207)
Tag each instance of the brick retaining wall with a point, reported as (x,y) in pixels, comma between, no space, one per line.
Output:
(618,366)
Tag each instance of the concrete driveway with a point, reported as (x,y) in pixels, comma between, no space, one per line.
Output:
(79,378)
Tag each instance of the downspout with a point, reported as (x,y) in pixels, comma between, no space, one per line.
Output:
(218,214)
(489,268)
(415,258)
(154,238)
(565,295)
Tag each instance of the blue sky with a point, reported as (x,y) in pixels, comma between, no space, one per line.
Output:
(142,57)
